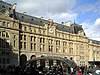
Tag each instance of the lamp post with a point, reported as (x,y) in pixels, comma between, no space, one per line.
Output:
(94,60)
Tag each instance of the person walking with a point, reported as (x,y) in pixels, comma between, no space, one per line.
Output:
(79,72)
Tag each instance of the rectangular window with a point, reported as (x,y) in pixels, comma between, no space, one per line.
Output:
(14,43)
(0,23)
(51,41)
(56,42)
(70,50)
(0,43)
(4,23)
(24,37)
(64,50)
(3,44)
(40,40)
(20,26)
(30,29)
(21,36)
(59,42)
(3,34)
(34,46)
(8,25)
(34,39)
(43,47)
(7,45)
(3,52)
(0,60)
(51,48)
(34,30)
(21,44)
(7,53)
(43,32)
(7,35)
(3,60)
(14,36)
(0,33)
(31,45)
(57,49)
(39,31)
(31,38)
(25,29)
(24,45)
(8,60)
(43,40)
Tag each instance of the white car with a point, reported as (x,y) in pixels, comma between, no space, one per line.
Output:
(97,72)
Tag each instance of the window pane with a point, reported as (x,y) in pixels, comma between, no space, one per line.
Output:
(3,60)
(24,45)
(34,39)
(24,37)
(8,61)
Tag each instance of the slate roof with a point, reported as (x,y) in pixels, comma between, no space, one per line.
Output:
(30,19)
(96,42)
(74,28)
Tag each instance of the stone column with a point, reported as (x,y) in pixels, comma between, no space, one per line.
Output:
(46,45)
(28,42)
(37,43)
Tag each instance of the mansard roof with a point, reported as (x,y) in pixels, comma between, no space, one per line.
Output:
(74,28)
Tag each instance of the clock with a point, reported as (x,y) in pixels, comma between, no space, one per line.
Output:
(50,30)
(4,12)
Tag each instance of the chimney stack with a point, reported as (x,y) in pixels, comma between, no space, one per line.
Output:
(68,23)
(24,12)
(14,6)
(50,20)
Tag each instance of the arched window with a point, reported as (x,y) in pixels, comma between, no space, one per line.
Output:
(23,59)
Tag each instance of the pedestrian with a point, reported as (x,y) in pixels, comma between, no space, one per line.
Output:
(80,72)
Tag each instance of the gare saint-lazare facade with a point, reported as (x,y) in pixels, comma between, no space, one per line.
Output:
(22,36)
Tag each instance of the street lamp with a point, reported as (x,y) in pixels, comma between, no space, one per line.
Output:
(94,59)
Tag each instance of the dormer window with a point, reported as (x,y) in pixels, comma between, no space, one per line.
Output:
(9,8)
(32,19)
(3,6)
(25,28)
(4,23)
(40,21)
(22,16)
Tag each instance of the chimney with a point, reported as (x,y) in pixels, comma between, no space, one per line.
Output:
(24,12)
(50,20)
(68,23)
(14,6)
(41,17)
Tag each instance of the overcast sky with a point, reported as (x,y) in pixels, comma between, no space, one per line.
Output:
(84,12)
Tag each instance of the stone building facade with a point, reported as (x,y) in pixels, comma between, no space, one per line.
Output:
(22,36)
